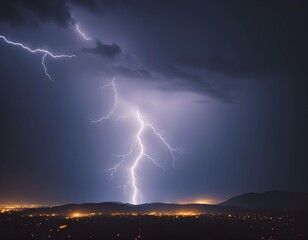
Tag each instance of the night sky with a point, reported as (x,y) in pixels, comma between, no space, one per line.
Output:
(224,81)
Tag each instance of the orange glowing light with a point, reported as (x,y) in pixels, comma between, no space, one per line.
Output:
(80,215)
(187,214)
(200,200)
(204,201)
(62,226)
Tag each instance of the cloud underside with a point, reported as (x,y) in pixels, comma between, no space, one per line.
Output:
(104,50)
(170,78)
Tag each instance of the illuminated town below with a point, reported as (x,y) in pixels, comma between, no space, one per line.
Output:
(30,223)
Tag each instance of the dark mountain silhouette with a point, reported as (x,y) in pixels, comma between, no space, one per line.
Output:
(279,200)
(111,207)
(249,202)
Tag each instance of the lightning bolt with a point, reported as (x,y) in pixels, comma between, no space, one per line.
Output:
(37,50)
(112,111)
(45,68)
(137,152)
(171,149)
(81,33)
(136,195)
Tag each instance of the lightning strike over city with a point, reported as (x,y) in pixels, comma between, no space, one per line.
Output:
(137,146)
(168,120)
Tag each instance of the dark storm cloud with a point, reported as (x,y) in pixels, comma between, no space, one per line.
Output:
(170,78)
(104,50)
(238,39)
(184,81)
(266,37)
(32,12)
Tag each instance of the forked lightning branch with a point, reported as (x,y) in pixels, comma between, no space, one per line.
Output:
(137,152)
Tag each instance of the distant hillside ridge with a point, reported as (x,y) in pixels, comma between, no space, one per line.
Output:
(270,200)
(248,202)
(114,207)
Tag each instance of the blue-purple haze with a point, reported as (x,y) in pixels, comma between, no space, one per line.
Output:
(226,82)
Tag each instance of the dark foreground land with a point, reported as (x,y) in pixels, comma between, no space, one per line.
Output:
(15,226)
